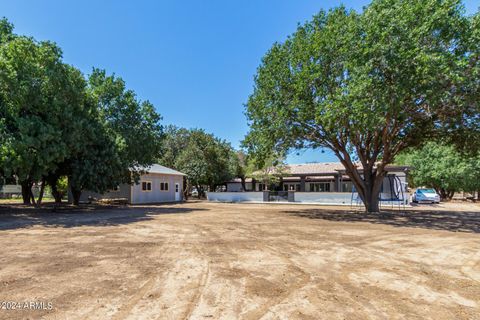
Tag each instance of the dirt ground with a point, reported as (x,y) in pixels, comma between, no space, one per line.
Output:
(200,260)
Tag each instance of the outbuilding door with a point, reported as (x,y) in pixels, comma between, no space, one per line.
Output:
(177,192)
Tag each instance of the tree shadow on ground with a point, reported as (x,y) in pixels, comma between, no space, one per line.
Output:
(19,216)
(437,220)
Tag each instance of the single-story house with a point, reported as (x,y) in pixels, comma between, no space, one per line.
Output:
(313,177)
(325,183)
(158,184)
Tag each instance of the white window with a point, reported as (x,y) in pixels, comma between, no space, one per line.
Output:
(291,187)
(176,187)
(320,187)
(347,186)
(146,186)
(163,186)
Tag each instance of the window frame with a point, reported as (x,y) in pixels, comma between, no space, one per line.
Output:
(316,186)
(164,186)
(147,182)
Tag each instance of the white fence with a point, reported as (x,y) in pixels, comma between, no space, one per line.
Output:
(235,196)
(324,197)
(10,188)
(327,198)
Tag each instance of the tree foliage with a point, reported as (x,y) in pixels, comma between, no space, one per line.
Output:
(443,167)
(55,123)
(41,99)
(123,137)
(271,172)
(460,119)
(204,158)
(365,85)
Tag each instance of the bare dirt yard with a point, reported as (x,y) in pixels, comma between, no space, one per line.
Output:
(200,260)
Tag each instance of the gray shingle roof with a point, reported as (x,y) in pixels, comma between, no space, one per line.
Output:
(314,168)
(321,170)
(324,168)
(156,168)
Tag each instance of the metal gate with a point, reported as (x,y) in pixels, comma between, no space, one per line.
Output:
(278,196)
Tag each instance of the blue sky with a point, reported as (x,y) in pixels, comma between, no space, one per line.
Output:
(194,60)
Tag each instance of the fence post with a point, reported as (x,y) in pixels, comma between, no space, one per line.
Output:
(291,196)
(265,196)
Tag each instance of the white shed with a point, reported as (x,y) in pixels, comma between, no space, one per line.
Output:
(158,184)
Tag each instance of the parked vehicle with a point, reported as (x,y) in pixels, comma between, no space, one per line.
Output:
(425,195)
(194,192)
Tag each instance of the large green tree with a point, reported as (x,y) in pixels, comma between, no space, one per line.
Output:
(123,138)
(55,123)
(364,85)
(442,167)
(460,117)
(204,158)
(40,100)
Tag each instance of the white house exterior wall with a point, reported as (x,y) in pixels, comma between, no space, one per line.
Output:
(156,195)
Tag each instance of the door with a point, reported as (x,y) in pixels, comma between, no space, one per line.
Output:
(177,192)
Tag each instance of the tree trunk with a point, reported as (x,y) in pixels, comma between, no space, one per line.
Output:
(372,203)
(200,191)
(56,195)
(368,187)
(32,197)
(42,190)
(244,188)
(186,188)
(26,191)
(75,196)
(370,196)
(52,181)
(451,194)
(445,194)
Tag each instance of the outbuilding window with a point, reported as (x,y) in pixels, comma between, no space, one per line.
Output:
(163,186)
(146,186)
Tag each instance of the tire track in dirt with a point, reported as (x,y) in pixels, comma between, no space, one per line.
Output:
(468,270)
(135,300)
(292,267)
(304,277)
(200,289)
(205,280)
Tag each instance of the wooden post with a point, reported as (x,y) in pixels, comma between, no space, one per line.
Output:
(302,184)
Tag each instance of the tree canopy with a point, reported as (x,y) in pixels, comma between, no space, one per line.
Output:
(443,167)
(365,85)
(55,122)
(204,158)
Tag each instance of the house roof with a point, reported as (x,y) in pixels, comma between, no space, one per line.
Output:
(326,169)
(156,168)
(314,168)
(318,171)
